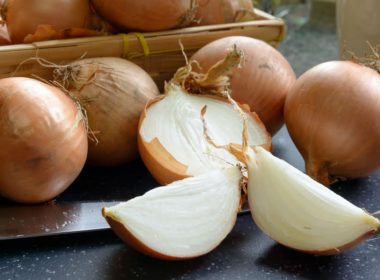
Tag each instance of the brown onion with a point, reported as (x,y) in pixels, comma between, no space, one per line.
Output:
(4,36)
(145,15)
(43,140)
(222,11)
(332,114)
(113,92)
(173,129)
(24,16)
(263,80)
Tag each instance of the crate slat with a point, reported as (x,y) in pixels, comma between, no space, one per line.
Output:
(165,55)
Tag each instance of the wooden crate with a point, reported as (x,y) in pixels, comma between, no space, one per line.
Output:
(159,53)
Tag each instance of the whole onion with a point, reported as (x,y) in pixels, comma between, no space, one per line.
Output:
(332,114)
(222,11)
(263,80)
(113,92)
(43,140)
(146,15)
(24,16)
(4,36)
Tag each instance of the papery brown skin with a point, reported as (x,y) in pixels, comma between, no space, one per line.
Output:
(263,80)
(164,168)
(4,36)
(332,115)
(146,15)
(220,11)
(44,140)
(113,93)
(24,16)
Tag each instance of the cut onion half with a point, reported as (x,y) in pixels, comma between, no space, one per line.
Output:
(171,136)
(188,219)
(299,212)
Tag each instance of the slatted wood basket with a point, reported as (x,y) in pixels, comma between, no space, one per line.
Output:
(159,53)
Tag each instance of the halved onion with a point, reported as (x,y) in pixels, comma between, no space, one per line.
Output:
(171,136)
(188,219)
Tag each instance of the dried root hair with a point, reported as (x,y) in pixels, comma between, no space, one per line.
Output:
(371,60)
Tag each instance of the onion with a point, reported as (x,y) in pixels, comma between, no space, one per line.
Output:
(187,219)
(113,92)
(263,81)
(300,213)
(332,116)
(146,15)
(223,11)
(4,36)
(171,137)
(24,16)
(43,140)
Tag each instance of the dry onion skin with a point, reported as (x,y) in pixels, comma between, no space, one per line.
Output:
(332,116)
(44,140)
(4,36)
(113,92)
(146,15)
(24,16)
(263,80)
(223,11)
(186,220)
(171,134)
(300,213)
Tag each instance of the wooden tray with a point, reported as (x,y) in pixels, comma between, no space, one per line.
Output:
(159,53)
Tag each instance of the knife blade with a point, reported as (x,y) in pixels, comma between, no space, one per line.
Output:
(25,221)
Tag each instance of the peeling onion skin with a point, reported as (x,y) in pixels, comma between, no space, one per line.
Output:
(113,92)
(263,81)
(23,16)
(146,15)
(162,165)
(332,116)
(45,140)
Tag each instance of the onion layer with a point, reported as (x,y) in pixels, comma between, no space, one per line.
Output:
(113,92)
(146,15)
(332,116)
(43,140)
(24,16)
(263,80)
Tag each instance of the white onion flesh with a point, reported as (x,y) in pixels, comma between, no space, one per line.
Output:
(297,211)
(176,122)
(185,219)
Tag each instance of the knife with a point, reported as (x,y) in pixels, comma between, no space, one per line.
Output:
(26,221)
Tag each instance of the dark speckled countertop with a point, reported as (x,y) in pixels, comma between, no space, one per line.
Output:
(245,254)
